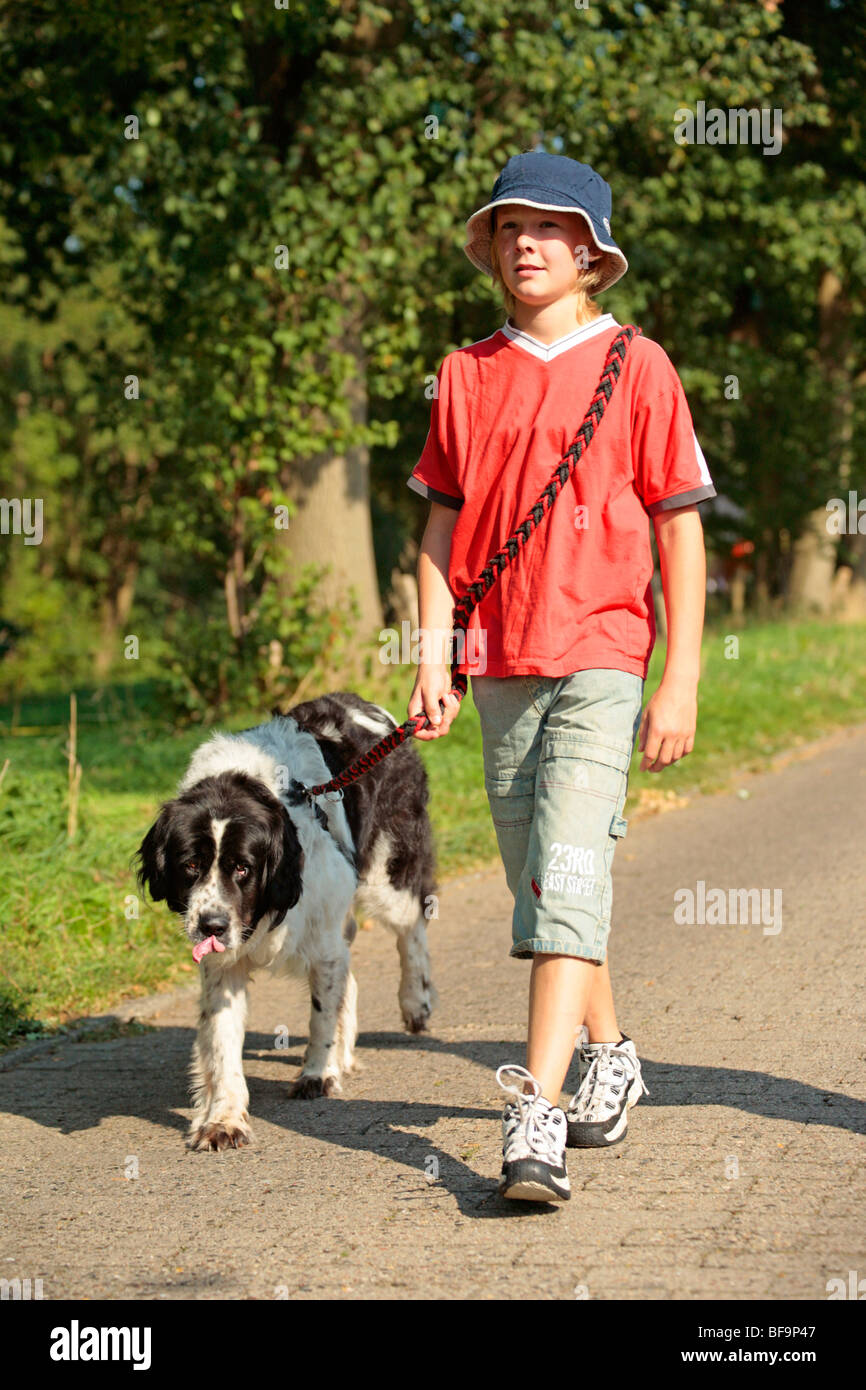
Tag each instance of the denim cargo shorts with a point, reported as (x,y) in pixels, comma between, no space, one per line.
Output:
(557,751)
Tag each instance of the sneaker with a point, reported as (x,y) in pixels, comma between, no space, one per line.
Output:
(533,1143)
(610,1083)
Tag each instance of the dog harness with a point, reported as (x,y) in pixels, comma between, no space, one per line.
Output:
(465,606)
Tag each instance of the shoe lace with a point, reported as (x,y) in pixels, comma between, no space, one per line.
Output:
(600,1070)
(532,1117)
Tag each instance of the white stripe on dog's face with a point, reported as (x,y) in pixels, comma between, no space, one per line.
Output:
(208,899)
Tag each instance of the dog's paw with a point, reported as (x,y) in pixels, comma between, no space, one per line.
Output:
(312,1087)
(417,1007)
(220,1135)
(417,1021)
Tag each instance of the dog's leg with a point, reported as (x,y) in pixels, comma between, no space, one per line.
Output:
(332,1026)
(220,1093)
(347,1019)
(400,910)
(417,993)
(347,1027)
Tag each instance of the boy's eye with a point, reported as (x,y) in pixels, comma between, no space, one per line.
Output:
(546,222)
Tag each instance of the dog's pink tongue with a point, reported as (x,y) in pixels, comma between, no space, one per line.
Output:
(204,948)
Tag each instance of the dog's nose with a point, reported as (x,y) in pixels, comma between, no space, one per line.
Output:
(213,923)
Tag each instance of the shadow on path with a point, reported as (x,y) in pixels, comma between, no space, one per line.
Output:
(144,1077)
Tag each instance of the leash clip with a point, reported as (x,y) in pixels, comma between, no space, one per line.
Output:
(298,792)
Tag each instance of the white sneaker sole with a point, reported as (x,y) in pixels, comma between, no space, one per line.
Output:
(528,1191)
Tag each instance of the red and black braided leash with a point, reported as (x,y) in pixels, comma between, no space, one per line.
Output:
(465,606)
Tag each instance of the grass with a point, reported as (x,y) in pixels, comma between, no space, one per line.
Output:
(76,935)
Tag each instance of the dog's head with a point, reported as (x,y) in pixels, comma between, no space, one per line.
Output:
(223,854)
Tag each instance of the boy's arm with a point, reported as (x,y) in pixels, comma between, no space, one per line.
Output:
(667,731)
(435,613)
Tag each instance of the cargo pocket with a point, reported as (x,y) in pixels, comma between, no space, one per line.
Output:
(510,808)
(585,762)
(512,802)
(582,778)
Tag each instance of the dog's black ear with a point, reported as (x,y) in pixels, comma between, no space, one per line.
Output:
(285,862)
(152,856)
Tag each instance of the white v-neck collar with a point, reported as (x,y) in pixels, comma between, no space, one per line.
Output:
(545,352)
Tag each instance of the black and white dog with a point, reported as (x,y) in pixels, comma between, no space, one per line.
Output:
(264,882)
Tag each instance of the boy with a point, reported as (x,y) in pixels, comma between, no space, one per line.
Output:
(558,650)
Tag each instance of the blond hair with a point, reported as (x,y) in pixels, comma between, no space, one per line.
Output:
(586,281)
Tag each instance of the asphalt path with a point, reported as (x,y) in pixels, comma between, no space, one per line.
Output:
(742,1174)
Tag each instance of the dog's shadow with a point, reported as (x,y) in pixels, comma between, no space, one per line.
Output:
(386,1127)
(75,1086)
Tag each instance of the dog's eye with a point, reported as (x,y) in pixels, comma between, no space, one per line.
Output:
(191,867)
(241,870)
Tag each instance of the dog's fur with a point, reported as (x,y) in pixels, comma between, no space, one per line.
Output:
(241,861)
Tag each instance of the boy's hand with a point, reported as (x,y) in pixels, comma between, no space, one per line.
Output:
(432,684)
(667,731)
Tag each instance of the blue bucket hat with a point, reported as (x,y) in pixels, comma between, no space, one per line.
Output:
(552,182)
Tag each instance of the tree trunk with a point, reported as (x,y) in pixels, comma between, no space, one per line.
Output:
(332,524)
(120,549)
(814,563)
(737,593)
(814,552)
(116,608)
(849,589)
(233,581)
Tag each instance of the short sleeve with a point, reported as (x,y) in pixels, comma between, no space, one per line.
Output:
(669,466)
(434,474)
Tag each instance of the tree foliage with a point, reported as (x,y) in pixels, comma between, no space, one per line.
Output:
(359,136)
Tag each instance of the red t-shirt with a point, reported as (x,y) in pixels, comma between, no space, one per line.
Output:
(578,594)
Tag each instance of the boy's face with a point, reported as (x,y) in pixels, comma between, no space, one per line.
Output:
(537,251)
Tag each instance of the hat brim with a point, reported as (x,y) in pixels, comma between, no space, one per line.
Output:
(479,238)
